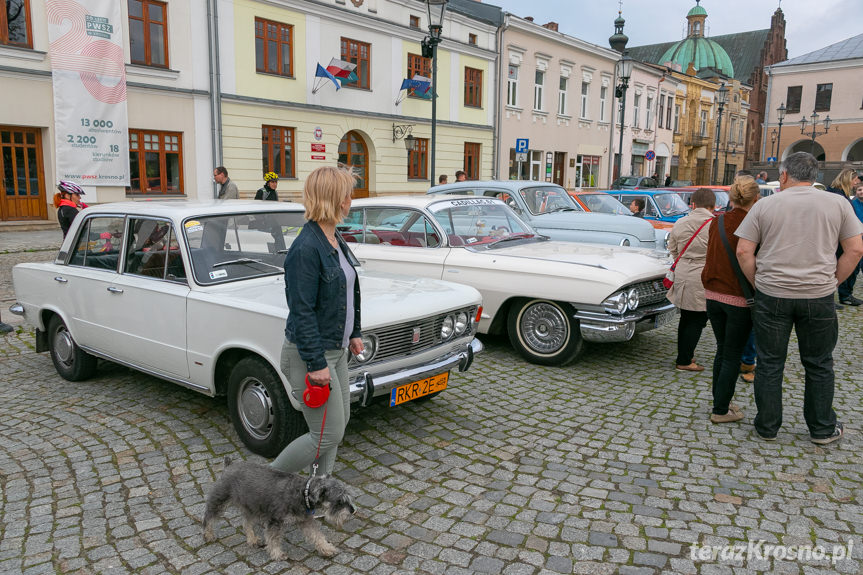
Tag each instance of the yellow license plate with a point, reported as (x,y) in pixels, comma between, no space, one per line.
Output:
(413,390)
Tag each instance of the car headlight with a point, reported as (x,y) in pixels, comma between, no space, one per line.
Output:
(665,240)
(616,303)
(461,323)
(370,346)
(624,242)
(447,328)
(632,298)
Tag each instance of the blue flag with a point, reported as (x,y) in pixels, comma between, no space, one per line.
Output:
(322,72)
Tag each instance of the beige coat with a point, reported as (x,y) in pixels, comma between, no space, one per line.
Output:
(688,291)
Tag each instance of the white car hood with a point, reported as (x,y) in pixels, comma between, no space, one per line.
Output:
(389,298)
(594,221)
(630,262)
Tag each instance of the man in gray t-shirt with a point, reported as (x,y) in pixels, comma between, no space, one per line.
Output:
(795,272)
(228,190)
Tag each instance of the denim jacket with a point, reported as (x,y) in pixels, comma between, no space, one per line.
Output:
(315,287)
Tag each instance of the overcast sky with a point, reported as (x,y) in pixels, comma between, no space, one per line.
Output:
(810,24)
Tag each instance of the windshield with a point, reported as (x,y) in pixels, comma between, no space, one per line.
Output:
(479,222)
(628,181)
(547,199)
(670,204)
(721,199)
(240,246)
(604,203)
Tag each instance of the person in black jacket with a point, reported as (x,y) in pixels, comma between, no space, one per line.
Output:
(70,198)
(323,325)
(268,192)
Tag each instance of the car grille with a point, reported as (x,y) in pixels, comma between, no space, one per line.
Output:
(649,292)
(397,340)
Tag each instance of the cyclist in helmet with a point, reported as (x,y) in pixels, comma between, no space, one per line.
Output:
(268,192)
(70,198)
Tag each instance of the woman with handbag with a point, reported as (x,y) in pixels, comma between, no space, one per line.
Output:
(727,293)
(687,242)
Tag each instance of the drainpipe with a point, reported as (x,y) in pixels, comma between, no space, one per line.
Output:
(215,84)
(496,153)
(611,132)
(766,121)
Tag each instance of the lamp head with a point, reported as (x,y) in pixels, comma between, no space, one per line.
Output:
(781,109)
(436,9)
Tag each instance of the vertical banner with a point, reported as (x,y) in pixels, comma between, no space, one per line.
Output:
(89,75)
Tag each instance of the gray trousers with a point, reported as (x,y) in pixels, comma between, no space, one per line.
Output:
(300,453)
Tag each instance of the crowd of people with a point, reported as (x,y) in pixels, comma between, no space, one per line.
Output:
(761,269)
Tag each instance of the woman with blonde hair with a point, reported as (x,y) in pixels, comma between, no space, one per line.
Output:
(844,183)
(727,309)
(323,325)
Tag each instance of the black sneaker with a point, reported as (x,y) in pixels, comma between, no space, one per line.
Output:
(6,328)
(850,300)
(764,437)
(838,431)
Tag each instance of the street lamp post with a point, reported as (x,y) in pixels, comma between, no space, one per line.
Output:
(733,146)
(436,10)
(781,111)
(624,72)
(773,144)
(721,98)
(813,121)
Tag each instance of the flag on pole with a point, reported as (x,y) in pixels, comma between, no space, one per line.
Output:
(420,85)
(341,69)
(321,76)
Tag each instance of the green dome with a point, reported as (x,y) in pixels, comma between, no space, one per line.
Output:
(702,52)
(697,11)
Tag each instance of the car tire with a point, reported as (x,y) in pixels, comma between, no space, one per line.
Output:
(260,409)
(544,332)
(70,361)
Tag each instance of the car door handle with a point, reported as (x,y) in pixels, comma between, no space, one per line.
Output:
(60,279)
(112,289)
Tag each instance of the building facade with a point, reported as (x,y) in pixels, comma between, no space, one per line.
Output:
(277,115)
(827,82)
(557,92)
(168,107)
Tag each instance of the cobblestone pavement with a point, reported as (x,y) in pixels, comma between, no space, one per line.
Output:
(606,466)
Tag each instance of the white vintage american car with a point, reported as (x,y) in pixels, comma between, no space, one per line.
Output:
(194,293)
(548,296)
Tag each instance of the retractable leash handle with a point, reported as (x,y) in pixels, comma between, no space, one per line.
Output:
(315,395)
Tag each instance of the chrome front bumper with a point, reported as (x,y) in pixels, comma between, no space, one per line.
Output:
(604,327)
(365,387)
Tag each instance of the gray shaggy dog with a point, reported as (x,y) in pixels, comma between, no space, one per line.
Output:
(270,497)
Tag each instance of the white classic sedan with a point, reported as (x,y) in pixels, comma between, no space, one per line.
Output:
(548,296)
(194,293)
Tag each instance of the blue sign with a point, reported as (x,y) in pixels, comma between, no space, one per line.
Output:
(772,159)
(521,145)
(649,155)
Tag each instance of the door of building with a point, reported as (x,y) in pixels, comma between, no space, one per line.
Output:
(22,179)
(558,170)
(354,153)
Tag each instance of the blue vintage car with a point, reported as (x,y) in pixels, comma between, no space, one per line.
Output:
(550,210)
(662,205)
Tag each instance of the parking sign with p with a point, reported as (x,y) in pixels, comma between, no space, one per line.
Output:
(521,145)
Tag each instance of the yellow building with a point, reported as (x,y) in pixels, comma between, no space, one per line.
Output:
(277,115)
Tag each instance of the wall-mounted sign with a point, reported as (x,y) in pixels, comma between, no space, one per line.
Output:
(319,133)
(314,157)
(319,147)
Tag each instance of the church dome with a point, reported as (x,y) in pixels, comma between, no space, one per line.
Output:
(695,48)
(702,52)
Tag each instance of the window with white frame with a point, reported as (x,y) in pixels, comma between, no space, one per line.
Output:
(603,100)
(740,131)
(677,118)
(585,90)
(668,113)
(512,86)
(648,115)
(661,109)
(561,98)
(703,122)
(636,109)
(539,79)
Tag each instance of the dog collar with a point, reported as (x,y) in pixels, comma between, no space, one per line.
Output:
(309,509)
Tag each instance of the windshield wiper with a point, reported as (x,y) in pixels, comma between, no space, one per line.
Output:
(511,237)
(246,261)
(561,209)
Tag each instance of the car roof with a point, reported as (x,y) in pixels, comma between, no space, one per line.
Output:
(414,200)
(185,208)
(509,184)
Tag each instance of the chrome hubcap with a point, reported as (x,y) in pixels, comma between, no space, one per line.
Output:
(255,408)
(63,346)
(544,328)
